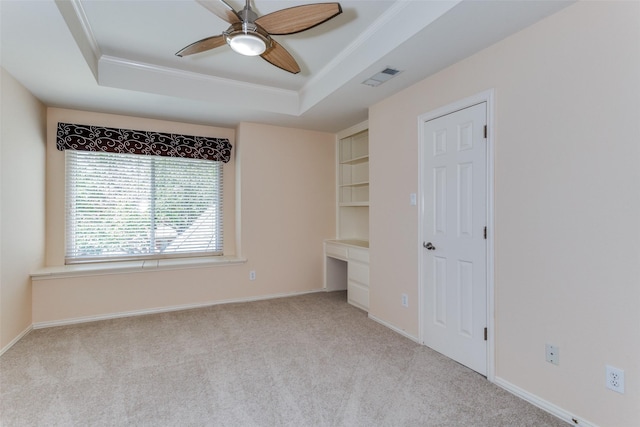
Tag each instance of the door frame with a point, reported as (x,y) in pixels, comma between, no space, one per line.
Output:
(488,97)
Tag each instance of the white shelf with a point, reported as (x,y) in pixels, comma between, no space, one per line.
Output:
(356,184)
(356,160)
(346,204)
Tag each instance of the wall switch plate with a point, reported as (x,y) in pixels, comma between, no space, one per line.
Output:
(405,300)
(252,275)
(552,354)
(413,199)
(615,379)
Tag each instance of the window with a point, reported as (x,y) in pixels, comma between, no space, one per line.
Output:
(130,206)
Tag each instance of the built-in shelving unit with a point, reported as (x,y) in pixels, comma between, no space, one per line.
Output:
(353,183)
(347,256)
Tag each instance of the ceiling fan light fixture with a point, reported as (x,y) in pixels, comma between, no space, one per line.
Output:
(247,39)
(247,44)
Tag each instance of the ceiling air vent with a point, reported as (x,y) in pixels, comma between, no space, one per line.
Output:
(381,77)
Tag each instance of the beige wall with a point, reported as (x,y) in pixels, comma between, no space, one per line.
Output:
(22,151)
(567,203)
(284,179)
(287,188)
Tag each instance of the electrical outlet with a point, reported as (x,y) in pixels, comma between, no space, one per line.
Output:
(252,275)
(405,300)
(615,379)
(552,354)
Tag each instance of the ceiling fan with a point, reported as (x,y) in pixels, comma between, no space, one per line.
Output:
(250,35)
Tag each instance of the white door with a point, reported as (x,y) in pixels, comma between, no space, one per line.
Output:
(454,250)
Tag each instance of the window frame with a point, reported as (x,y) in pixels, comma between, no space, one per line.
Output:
(220,227)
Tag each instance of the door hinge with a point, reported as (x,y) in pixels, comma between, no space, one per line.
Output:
(485,233)
(485,132)
(485,334)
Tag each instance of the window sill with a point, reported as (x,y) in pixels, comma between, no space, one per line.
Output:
(101,269)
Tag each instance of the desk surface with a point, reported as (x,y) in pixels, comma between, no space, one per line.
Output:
(357,243)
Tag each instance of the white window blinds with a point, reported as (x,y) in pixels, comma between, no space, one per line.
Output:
(127,206)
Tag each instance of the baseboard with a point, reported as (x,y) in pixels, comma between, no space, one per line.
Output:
(108,316)
(16,339)
(511,388)
(542,404)
(394,328)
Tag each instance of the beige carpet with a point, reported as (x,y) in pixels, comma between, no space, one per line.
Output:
(310,360)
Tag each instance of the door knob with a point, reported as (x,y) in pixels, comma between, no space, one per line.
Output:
(428,246)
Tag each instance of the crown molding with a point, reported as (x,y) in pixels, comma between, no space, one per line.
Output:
(76,19)
(132,75)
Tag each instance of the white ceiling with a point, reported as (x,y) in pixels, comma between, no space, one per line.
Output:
(117,56)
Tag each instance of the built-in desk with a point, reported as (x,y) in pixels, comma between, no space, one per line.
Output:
(346,266)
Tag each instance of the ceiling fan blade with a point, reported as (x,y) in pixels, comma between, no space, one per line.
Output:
(299,18)
(222,10)
(278,56)
(202,45)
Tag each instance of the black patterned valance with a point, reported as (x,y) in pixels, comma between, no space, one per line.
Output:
(113,140)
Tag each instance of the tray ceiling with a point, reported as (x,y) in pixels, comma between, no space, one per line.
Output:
(119,56)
